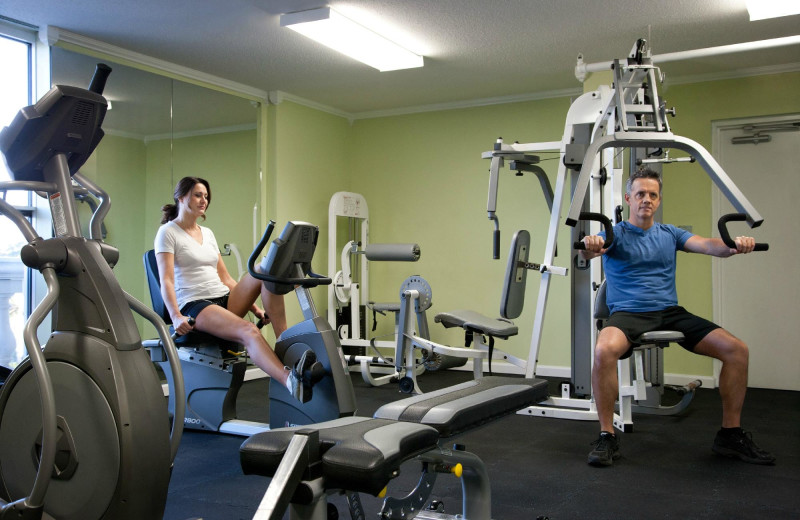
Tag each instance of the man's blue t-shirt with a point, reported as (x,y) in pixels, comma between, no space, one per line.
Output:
(640,267)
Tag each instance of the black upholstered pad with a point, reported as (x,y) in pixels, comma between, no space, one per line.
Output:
(475,321)
(358,453)
(461,407)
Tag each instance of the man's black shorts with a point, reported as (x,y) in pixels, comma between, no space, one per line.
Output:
(634,324)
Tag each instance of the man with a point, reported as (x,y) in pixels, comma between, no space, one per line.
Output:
(641,295)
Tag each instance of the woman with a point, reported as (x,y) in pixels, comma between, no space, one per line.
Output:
(195,284)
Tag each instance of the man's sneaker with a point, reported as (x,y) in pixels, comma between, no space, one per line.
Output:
(300,378)
(740,445)
(606,450)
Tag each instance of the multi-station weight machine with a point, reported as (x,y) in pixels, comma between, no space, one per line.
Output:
(600,126)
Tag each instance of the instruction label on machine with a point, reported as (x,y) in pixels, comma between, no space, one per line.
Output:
(351,206)
(59,219)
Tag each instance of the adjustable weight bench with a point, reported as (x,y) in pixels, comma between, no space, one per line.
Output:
(357,454)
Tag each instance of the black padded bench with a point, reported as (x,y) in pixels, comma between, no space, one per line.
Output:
(362,455)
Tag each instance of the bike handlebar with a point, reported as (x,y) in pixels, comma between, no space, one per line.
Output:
(314,279)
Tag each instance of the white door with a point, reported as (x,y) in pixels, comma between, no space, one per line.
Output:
(757,295)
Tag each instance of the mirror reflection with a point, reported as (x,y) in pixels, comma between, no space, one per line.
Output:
(159,130)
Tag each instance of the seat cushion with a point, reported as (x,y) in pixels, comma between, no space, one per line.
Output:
(477,322)
(358,453)
(465,406)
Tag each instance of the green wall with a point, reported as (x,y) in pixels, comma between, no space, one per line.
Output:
(310,157)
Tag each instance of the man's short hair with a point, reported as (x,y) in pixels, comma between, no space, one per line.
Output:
(643,173)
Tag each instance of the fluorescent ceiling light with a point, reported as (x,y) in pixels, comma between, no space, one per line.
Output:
(761,9)
(333,30)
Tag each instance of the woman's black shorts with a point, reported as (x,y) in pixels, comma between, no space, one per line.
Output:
(192,309)
(634,324)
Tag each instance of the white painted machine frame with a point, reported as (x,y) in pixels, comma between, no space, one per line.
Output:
(616,120)
(354,206)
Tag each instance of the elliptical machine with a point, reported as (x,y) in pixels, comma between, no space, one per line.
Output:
(84,429)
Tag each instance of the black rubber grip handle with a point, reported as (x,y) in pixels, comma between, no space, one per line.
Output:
(496,244)
(98,83)
(607,225)
(722,225)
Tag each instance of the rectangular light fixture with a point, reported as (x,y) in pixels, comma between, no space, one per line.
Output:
(341,34)
(763,9)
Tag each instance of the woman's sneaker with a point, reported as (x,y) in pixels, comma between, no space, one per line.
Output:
(606,450)
(302,377)
(739,444)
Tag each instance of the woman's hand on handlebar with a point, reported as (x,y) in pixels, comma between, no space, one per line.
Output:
(183,325)
(261,316)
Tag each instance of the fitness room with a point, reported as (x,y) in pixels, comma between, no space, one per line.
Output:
(420,298)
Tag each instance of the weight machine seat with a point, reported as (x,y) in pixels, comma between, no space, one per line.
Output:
(476,322)
(204,343)
(357,453)
(385,307)
(654,338)
(361,454)
(468,405)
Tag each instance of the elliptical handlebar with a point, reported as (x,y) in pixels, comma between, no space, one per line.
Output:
(722,225)
(607,225)
(313,280)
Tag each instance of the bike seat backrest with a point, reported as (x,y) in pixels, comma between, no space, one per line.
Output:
(154,284)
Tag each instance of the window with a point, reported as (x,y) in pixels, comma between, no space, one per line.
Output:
(15,92)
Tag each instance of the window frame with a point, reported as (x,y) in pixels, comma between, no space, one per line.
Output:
(36,209)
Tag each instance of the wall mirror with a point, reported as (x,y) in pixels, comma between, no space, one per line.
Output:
(158,130)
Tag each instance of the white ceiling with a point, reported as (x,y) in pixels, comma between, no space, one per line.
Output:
(474,49)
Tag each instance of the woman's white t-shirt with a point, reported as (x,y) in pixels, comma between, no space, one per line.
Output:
(196,276)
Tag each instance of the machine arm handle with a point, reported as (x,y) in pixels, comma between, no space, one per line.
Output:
(313,281)
(607,225)
(726,237)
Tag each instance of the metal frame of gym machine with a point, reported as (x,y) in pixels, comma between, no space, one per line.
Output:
(375,370)
(597,125)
